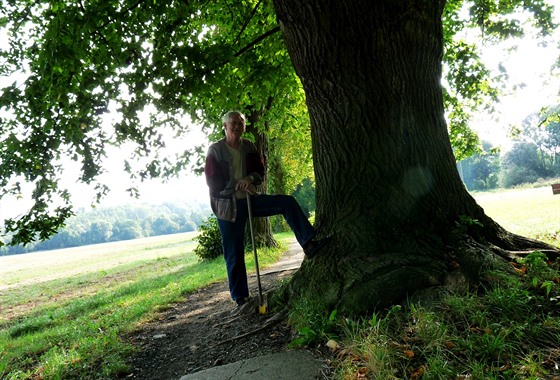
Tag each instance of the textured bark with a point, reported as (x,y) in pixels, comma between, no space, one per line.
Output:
(262,227)
(387,185)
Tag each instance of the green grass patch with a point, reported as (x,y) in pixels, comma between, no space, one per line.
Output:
(81,337)
(532,212)
(507,329)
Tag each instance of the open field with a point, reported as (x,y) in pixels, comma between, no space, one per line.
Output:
(529,212)
(42,266)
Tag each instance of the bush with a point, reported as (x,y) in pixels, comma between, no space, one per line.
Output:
(209,240)
(514,175)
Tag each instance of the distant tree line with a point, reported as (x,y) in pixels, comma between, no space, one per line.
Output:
(534,156)
(102,225)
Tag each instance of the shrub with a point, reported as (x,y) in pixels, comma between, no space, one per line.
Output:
(515,175)
(209,240)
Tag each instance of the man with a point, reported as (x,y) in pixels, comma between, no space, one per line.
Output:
(233,170)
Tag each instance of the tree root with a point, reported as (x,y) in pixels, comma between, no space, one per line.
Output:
(276,318)
(551,254)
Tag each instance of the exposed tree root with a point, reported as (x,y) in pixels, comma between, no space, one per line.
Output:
(276,318)
(551,254)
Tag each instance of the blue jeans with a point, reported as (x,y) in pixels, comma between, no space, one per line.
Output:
(233,234)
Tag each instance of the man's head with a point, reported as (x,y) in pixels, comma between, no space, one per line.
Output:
(229,114)
(234,124)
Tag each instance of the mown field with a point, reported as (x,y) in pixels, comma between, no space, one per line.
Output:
(531,212)
(62,312)
(40,267)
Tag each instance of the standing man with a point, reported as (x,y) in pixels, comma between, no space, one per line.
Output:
(233,169)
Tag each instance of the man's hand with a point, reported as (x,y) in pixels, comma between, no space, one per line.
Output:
(245,184)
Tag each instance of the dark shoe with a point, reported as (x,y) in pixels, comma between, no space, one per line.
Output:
(241,301)
(315,246)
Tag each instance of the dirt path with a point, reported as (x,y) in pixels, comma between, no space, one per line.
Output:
(206,329)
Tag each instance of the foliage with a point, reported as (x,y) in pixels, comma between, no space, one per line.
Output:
(468,83)
(311,323)
(521,165)
(536,152)
(305,195)
(480,171)
(157,65)
(515,175)
(127,60)
(542,131)
(543,276)
(535,155)
(209,240)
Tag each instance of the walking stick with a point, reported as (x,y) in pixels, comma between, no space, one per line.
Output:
(262,306)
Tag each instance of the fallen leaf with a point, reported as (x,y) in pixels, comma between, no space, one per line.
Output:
(409,354)
(362,373)
(418,372)
(505,367)
(333,345)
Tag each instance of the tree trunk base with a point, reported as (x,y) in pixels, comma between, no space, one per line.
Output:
(358,285)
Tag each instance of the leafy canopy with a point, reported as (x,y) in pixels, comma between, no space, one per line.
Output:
(161,66)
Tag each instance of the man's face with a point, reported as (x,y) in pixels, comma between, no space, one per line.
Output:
(235,126)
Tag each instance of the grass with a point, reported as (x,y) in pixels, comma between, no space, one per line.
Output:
(533,212)
(508,330)
(72,327)
(66,320)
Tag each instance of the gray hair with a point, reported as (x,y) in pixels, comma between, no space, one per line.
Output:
(229,114)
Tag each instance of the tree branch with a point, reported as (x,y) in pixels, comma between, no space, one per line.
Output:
(256,41)
(247,22)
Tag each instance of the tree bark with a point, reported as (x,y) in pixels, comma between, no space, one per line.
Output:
(262,227)
(388,190)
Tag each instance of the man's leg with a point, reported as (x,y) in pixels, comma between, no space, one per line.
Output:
(286,205)
(233,243)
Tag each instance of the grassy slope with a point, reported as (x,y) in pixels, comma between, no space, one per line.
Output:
(66,317)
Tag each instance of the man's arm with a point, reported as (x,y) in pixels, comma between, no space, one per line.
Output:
(214,173)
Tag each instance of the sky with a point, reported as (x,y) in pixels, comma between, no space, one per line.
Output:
(188,187)
(529,63)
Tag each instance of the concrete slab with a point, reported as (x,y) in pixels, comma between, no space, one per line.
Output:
(289,365)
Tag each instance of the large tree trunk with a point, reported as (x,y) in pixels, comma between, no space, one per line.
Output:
(387,185)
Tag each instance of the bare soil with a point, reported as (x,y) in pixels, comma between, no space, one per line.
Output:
(207,329)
